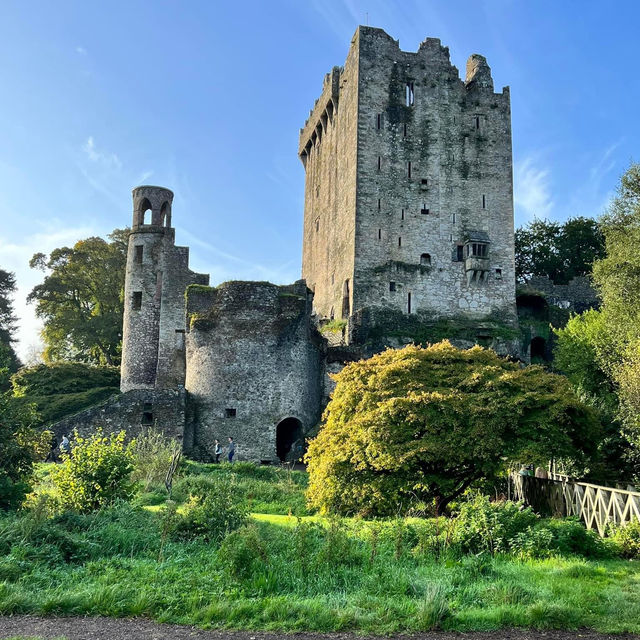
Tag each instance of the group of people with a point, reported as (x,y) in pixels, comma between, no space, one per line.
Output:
(218,451)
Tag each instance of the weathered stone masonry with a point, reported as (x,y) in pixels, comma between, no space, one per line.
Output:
(408,236)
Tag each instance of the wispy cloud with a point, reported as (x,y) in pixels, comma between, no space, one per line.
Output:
(532,191)
(81,51)
(107,159)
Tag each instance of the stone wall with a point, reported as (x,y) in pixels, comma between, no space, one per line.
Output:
(577,295)
(133,411)
(254,359)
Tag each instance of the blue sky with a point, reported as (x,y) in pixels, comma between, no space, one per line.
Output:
(207,98)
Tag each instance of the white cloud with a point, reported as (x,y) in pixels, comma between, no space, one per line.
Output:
(109,160)
(532,192)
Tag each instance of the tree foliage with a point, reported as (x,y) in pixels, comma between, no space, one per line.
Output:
(96,473)
(617,278)
(425,423)
(8,358)
(20,447)
(559,251)
(81,299)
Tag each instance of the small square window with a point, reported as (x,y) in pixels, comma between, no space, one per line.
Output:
(136,300)
(459,253)
(498,274)
(230,413)
(424,211)
(392,286)
(425,181)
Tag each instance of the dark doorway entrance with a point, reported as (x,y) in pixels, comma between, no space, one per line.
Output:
(289,439)
(538,350)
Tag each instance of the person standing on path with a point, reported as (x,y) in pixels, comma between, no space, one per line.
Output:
(217,451)
(232,450)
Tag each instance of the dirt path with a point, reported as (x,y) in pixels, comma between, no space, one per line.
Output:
(139,629)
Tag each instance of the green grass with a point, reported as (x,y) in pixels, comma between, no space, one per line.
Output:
(297,572)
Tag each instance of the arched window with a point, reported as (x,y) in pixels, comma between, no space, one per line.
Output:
(425,258)
(165,215)
(144,212)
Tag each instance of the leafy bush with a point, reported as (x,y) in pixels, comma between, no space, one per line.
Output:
(532,543)
(96,473)
(20,447)
(212,512)
(628,539)
(242,551)
(488,526)
(570,537)
(152,454)
(422,424)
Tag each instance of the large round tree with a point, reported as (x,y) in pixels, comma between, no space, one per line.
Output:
(426,423)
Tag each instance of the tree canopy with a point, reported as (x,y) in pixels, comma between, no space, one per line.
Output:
(425,423)
(8,358)
(617,278)
(81,299)
(558,251)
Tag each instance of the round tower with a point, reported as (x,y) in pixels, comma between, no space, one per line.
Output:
(150,233)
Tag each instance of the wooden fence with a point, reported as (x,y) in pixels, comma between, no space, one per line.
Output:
(597,506)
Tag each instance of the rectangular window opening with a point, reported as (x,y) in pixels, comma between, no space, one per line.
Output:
(460,253)
(230,413)
(147,418)
(379,163)
(404,135)
(379,234)
(409,302)
(136,302)
(409,94)
(402,215)
(498,274)
(425,181)
(409,170)
(139,251)
(392,286)
(379,121)
(379,204)
(399,241)
(484,201)
(453,218)
(424,210)
(477,123)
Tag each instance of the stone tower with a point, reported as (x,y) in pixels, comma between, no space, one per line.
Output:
(157,274)
(408,191)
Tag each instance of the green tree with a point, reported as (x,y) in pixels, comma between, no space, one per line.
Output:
(81,299)
(96,473)
(559,251)
(581,348)
(8,358)
(617,278)
(20,447)
(426,423)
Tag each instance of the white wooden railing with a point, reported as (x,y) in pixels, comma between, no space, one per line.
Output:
(597,506)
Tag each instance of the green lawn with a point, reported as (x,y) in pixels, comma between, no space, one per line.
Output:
(298,572)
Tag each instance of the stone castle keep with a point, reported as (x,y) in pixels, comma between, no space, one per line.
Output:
(408,235)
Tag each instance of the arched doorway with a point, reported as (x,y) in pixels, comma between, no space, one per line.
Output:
(538,350)
(289,439)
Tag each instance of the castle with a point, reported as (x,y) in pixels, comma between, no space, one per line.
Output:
(408,235)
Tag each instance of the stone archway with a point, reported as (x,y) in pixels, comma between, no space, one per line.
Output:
(288,435)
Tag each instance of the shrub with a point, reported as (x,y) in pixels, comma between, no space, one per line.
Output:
(96,472)
(570,537)
(628,539)
(488,526)
(211,514)
(152,454)
(420,425)
(20,447)
(532,543)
